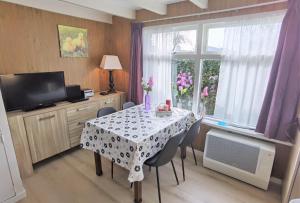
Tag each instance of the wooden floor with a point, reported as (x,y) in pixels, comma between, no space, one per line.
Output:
(71,178)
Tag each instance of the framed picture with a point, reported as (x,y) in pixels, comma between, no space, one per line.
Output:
(73,41)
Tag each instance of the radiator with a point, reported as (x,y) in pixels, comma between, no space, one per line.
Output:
(247,159)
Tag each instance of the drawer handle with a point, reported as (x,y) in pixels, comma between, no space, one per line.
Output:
(47,117)
(80,123)
(81,109)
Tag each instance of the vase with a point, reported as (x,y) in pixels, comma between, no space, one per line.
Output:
(147,102)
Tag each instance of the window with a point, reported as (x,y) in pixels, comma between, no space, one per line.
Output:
(210,79)
(213,39)
(231,58)
(183,72)
(185,41)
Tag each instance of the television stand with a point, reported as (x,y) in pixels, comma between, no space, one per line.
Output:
(40,106)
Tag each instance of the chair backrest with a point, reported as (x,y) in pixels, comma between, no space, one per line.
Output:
(191,135)
(170,149)
(105,111)
(127,105)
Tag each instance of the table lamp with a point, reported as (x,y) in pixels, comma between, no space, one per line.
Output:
(111,62)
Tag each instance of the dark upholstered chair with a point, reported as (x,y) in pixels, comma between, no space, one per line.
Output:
(188,140)
(165,156)
(127,105)
(103,112)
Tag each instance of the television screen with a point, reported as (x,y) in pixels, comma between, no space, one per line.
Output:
(31,90)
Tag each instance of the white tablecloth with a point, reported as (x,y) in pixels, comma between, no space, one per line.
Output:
(131,136)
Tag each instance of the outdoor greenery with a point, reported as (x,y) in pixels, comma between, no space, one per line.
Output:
(210,79)
(185,72)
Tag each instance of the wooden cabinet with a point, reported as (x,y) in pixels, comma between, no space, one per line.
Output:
(47,134)
(43,133)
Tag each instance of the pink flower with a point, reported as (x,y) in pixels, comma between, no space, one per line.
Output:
(150,82)
(204,93)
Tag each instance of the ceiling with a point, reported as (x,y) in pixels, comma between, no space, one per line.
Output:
(103,10)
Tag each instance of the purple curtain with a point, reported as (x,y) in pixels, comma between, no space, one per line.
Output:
(282,95)
(135,92)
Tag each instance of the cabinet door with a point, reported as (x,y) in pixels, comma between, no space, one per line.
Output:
(6,185)
(47,134)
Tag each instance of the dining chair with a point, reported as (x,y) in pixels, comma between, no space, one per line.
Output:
(103,112)
(165,156)
(127,105)
(188,140)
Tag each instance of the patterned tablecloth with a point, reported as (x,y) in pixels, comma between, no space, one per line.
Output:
(131,136)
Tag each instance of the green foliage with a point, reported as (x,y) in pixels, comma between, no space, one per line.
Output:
(185,66)
(184,84)
(210,78)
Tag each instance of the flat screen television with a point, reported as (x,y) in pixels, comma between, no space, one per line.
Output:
(28,91)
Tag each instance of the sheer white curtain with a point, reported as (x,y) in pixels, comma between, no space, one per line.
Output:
(157,62)
(248,53)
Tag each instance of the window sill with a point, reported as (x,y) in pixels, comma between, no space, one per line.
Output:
(246,132)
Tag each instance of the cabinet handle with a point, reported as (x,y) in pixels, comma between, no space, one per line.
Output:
(81,109)
(47,117)
(80,123)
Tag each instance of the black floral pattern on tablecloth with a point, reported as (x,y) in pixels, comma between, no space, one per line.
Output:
(131,136)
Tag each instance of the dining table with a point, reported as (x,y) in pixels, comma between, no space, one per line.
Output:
(131,136)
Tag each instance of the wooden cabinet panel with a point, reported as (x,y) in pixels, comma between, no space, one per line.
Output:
(47,134)
(82,112)
(20,141)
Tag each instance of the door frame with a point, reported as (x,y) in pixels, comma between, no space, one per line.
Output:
(11,156)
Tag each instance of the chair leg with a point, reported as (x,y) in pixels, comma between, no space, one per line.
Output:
(175,172)
(158,186)
(194,154)
(112,170)
(183,173)
(131,184)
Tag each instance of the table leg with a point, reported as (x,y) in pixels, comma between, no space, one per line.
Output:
(183,152)
(98,164)
(137,192)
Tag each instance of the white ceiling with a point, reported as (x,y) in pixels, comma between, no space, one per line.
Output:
(103,10)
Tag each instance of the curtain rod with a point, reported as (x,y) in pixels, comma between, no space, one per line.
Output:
(217,11)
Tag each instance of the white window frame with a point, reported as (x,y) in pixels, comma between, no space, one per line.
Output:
(198,57)
(200,54)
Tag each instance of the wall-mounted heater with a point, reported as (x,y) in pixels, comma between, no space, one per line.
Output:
(249,160)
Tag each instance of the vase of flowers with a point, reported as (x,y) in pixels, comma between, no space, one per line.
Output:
(147,87)
(204,98)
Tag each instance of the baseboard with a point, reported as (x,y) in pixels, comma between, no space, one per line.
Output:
(17,197)
(275,180)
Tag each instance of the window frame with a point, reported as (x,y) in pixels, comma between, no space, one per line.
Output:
(199,56)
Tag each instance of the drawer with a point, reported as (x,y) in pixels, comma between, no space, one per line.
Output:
(111,102)
(76,125)
(82,112)
(75,136)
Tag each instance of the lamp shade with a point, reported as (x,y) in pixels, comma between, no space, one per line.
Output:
(110,62)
